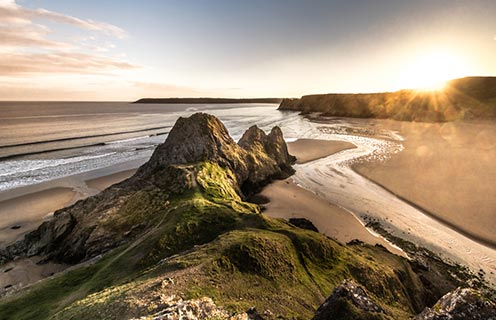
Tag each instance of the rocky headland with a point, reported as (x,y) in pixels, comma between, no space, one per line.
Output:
(179,239)
(465,98)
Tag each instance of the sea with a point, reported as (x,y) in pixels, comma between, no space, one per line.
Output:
(43,141)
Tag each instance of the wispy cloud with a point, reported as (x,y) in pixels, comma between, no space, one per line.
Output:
(30,35)
(12,13)
(26,47)
(22,64)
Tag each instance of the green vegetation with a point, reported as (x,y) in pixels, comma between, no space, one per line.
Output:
(208,242)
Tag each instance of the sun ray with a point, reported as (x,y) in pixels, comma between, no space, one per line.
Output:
(432,70)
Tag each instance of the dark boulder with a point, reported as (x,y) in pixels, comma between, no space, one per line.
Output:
(303,224)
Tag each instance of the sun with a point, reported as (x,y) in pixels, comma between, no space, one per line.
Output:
(432,70)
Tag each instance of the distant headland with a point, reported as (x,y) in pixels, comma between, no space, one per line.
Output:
(208,100)
(464,98)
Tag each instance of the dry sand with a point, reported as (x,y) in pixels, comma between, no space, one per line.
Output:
(23,210)
(104,182)
(19,273)
(287,200)
(29,210)
(447,169)
(307,150)
(25,213)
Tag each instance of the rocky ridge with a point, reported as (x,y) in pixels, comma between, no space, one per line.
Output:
(88,228)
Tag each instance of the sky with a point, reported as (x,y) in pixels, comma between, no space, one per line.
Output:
(105,50)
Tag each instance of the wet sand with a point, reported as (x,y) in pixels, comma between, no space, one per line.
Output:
(447,170)
(333,179)
(287,200)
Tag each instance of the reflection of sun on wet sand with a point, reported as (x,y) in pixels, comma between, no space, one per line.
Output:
(448,169)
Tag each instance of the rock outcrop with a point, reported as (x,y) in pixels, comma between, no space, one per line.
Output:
(349,301)
(197,309)
(255,160)
(466,98)
(121,212)
(460,304)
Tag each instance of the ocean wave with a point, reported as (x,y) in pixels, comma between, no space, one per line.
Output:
(22,166)
(85,137)
(128,140)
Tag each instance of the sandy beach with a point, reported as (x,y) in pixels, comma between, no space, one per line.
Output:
(23,209)
(28,209)
(446,169)
(306,150)
(22,212)
(25,213)
(102,183)
(287,200)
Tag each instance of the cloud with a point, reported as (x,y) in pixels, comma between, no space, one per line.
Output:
(10,12)
(49,63)
(29,36)
(26,49)
(7,3)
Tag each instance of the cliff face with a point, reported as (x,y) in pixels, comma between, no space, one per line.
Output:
(466,98)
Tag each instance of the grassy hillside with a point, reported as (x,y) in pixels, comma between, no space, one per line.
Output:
(206,241)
